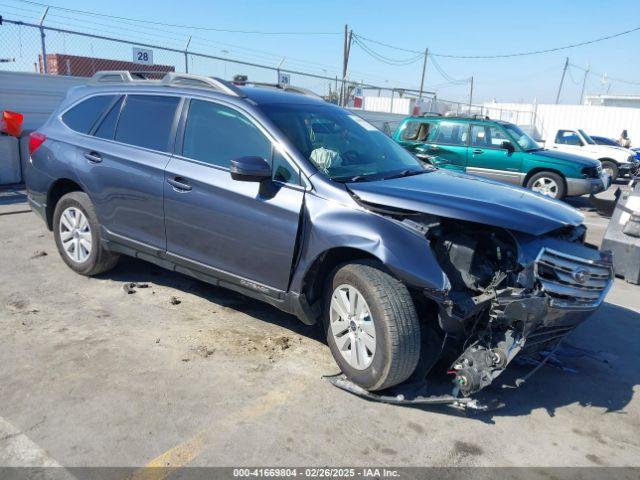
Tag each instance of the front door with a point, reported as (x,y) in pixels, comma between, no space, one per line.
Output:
(242,232)
(446,145)
(488,158)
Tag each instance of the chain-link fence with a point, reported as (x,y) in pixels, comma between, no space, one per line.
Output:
(26,46)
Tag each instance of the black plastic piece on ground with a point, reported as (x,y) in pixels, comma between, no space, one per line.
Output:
(412,394)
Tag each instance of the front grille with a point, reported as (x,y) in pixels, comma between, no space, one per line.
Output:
(572,281)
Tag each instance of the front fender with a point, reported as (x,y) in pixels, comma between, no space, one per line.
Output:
(406,253)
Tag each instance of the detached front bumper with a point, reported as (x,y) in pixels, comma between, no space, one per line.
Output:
(629,169)
(584,186)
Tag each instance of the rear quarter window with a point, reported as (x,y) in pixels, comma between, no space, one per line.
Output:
(84,115)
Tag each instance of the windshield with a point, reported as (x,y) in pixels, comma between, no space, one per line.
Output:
(587,138)
(525,141)
(341,145)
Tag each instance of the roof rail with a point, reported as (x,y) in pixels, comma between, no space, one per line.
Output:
(173,79)
(286,88)
(111,76)
(169,79)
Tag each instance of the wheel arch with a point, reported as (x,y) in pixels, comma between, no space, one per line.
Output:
(609,159)
(58,189)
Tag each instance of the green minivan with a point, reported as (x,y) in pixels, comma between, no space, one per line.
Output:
(500,151)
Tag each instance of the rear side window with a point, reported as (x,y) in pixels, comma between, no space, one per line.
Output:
(84,115)
(107,128)
(216,135)
(450,133)
(415,131)
(146,121)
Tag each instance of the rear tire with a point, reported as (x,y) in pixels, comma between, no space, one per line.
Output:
(374,303)
(549,184)
(77,233)
(611,168)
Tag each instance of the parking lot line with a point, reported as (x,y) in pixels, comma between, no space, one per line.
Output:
(180,455)
(18,450)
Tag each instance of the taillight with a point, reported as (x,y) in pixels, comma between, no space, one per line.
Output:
(36,139)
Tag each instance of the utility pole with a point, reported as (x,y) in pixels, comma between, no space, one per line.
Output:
(584,82)
(424,69)
(42,42)
(348,35)
(564,71)
(186,55)
(471,94)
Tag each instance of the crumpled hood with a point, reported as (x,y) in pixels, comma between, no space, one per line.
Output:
(570,157)
(465,197)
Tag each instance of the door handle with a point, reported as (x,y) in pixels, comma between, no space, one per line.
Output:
(179,184)
(477,151)
(93,157)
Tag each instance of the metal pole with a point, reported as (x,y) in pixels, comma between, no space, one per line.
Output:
(186,56)
(564,71)
(42,42)
(584,82)
(424,69)
(348,35)
(278,69)
(471,94)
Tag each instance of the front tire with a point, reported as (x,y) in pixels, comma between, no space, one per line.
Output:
(549,184)
(372,326)
(76,231)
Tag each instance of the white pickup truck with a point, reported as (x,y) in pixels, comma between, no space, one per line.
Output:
(616,161)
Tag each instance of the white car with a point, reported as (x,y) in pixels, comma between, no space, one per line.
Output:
(616,161)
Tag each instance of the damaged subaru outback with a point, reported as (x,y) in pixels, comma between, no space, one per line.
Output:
(288,199)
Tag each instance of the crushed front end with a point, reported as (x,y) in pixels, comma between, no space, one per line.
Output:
(511,294)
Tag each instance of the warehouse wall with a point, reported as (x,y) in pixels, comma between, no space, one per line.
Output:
(593,119)
(34,95)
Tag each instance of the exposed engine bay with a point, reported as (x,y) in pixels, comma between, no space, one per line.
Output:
(510,293)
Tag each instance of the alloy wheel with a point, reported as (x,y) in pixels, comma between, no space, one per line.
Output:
(546,186)
(75,234)
(352,326)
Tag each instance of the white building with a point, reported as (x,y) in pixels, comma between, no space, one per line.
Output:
(629,101)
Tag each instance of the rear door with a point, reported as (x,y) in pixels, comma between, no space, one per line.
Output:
(488,159)
(242,232)
(446,144)
(122,166)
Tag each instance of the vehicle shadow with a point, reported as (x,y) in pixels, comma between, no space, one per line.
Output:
(133,270)
(606,381)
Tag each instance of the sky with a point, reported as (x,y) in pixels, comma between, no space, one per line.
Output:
(451,28)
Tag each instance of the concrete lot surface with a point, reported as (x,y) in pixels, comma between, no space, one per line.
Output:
(181,373)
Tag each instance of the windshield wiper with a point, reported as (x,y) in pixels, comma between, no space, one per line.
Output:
(406,173)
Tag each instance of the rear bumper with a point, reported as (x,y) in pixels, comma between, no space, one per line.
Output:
(584,186)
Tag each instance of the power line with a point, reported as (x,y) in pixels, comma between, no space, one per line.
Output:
(591,72)
(382,58)
(509,55)
(175,25)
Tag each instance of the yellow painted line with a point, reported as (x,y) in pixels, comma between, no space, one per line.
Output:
(163,465)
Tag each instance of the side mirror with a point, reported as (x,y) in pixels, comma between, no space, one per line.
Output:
(250,169)
(507,145)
